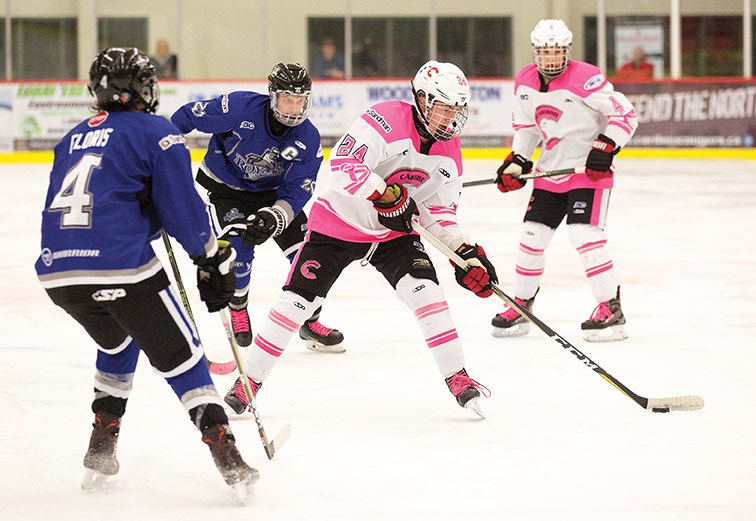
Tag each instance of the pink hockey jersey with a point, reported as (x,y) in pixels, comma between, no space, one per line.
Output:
(383,147)
(576,106)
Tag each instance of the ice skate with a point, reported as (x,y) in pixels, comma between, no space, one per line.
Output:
(240,321)
(236,397)
(320,338)
(100,460)
(607,322)
(467,391)
(509,322)
(236,473)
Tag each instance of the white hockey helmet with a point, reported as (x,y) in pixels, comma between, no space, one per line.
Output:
(552,43)
(445,93)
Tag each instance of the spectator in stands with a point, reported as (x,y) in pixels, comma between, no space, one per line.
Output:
(637,68)
(165,63)
(329,63)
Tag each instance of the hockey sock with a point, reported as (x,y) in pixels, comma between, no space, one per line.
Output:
(530,261)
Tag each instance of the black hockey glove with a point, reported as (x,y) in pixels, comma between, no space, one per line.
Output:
(397,215)
(478,277)
(510,170)
(266,223)
(215,277)
(599,162)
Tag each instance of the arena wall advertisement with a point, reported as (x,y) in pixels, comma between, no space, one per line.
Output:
(35,116)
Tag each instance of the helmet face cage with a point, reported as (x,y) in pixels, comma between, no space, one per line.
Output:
(552,43)
(290,88)
(123,79)
(441,94)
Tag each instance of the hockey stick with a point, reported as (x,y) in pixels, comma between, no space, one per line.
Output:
(525,177)
(285,432)
(674,403)
(213,367)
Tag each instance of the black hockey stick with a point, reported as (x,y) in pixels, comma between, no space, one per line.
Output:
(285,432)
(213,367)
(525,177)
(674,403)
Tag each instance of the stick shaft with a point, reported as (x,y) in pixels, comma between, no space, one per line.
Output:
(534,175)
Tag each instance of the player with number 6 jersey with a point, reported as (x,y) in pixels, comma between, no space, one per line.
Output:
(573,113)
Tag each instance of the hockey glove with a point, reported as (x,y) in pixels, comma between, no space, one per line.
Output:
(599,162)
(479,274)
(510,170)
(397,214)
(215,277)
(266,223)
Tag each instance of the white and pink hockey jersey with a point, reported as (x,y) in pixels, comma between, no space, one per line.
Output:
(576,106)
(383,147)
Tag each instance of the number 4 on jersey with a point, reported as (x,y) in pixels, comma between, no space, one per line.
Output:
(73,198)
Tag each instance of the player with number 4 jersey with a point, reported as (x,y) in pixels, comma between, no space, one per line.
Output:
(573,113)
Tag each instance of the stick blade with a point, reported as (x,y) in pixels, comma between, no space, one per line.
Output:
(281,437)
(221,367)
(675,403)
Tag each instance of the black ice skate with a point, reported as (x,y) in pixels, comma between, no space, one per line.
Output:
(467,391)
(236,473)
(240,321)
(320,338)
(607,322)
(100,460)
(236,397)
(509,322)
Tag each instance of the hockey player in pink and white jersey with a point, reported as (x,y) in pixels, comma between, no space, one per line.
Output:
(578,119)
(397,162)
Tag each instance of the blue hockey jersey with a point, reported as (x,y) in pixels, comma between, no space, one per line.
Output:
(117,179)
(243,152)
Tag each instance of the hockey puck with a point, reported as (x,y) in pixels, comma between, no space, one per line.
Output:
(660,409)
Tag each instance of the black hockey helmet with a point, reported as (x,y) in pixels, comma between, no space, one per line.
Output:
(122,79)
(293,80)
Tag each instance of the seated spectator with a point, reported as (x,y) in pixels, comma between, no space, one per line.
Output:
(637,68)
(329,63)
(165,63)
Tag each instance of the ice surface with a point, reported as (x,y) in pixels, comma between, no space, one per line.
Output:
(376,434)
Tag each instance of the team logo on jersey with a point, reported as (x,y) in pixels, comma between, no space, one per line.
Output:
(233,215)
(172,139)
(97,119)
(594,82)
(307,267)
(108,295)
(257,166)
(249,125)
(47,257)
(547,116)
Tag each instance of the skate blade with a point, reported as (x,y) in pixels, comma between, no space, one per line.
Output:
(516,330)
(317,347)
(93,480)
(474,406)
(609,334)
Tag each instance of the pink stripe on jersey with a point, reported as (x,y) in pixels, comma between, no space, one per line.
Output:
(441,338)
(601,268)
(621,125)
(437,210)
(520,127)
(591,246)
(446,224)
(268,347)
(431,309)
(526,272)
(324,219)
(531,251)
(283,321)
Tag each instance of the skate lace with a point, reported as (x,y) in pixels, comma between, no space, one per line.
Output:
(459,382)
(319,329)
(511,313)
(240,320)
(239,390)
(602,312)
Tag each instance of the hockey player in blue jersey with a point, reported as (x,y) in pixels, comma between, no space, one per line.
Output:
(117,179)
(260,170)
